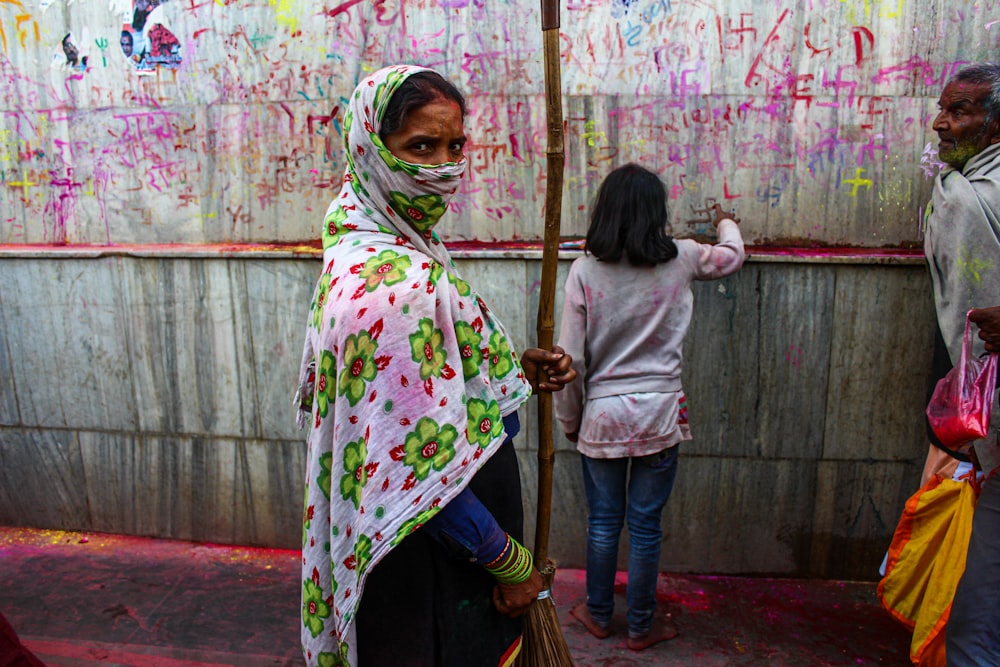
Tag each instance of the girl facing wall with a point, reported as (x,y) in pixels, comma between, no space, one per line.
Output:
(627,308)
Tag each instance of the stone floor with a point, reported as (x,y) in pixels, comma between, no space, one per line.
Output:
(88,599)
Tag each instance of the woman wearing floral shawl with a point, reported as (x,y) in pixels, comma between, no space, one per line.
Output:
(411,542)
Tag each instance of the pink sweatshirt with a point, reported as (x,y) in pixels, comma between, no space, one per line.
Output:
(624,327)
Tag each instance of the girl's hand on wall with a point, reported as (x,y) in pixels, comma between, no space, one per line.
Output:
(547,371)
(718,215)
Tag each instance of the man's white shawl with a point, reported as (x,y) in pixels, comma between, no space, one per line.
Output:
(962,244)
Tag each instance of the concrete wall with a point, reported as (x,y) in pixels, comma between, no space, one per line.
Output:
(151,395)
(811,116)
(147,361)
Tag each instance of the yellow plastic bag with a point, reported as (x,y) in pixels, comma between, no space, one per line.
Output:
(925,561)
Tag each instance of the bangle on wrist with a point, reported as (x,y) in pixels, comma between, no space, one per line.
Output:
(513,566)
(500,558)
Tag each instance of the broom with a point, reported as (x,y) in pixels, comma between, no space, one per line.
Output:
(544,644)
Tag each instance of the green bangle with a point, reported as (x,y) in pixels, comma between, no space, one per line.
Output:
(516,567)
(501,557)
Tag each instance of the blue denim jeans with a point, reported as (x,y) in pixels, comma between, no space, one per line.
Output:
(619,490)
(972,635)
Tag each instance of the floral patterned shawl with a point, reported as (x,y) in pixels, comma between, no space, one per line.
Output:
(406,374)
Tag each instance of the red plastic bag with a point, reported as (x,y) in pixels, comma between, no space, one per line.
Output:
(962,404)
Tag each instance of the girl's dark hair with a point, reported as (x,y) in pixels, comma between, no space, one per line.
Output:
(629,218)
(420,89)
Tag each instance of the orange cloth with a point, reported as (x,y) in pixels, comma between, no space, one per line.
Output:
(925,561)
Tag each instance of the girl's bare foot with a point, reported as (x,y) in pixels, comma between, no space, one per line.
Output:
(582,614)
(661,630)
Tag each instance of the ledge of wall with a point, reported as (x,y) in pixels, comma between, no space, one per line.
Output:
(459,250)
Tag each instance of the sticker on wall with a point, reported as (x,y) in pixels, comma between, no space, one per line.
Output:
(70,56)
(147,41)
(74,59)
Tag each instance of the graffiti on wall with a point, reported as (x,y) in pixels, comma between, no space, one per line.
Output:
(146,40)
(220,121)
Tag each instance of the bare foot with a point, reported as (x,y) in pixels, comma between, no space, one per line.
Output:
(661,630)
(582,614)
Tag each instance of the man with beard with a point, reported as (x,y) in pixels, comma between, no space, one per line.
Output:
(962,246)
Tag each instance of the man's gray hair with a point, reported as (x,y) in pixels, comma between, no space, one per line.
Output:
(984,74)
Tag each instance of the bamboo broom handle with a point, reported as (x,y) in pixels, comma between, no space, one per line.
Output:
(555,161)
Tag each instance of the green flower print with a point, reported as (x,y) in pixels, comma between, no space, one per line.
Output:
(429,446)
(411,525)
(436,271)
(314,609)
(500,358)
(326,386)
(351,484)
(468,348)
(461,286)
(422,211)
(334,229)
(427,348)
(339,659)
(359,366)
(388,268)
(385,89)
(484,423)
(322,292)
(359,189)
(307,392)
(325,473)
(362,554)
(308,512)
(395,164)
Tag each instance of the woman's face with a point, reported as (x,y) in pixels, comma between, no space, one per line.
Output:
(432,134)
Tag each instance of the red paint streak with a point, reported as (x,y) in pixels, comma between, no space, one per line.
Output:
(291,117)
(836,252)
(718,28)
(315,249)
(211,249)
(815,51)
(817,252)
(858,32)
(770,38)
(342,7)
(725,190)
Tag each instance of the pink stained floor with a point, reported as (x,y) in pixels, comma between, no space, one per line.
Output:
(87,599)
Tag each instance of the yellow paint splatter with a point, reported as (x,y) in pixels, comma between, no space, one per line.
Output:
(285,14)
(590,134)
(885,9)
(858,182)
(971,267)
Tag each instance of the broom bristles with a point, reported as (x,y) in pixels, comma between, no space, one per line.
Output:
(543,644)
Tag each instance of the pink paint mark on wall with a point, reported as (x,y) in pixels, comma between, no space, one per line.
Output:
(794,355)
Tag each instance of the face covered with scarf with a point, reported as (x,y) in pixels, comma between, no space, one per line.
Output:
(406,373)
(403,198)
